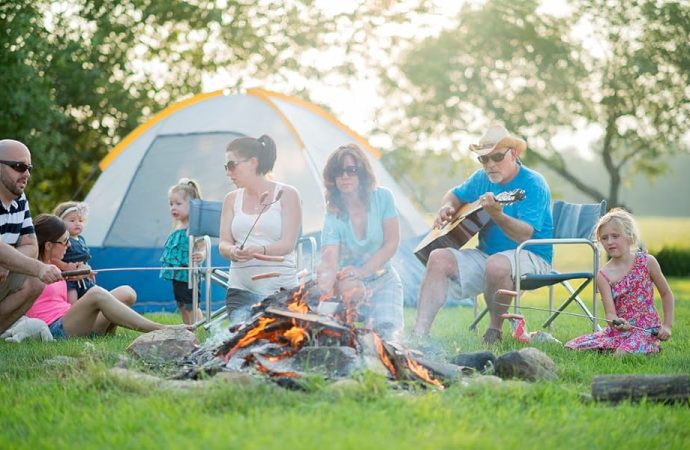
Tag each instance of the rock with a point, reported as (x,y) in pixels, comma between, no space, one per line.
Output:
(164,345)
(527,364)
(480,361)
(333,362)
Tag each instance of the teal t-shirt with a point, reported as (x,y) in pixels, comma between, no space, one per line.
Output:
(535,209)
(338,230)
(176,254)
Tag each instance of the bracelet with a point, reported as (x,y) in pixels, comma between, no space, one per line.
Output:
(264,249)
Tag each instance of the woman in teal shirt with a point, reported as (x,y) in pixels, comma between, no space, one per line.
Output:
(361,233)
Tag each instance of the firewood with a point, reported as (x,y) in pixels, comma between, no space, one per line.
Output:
(658,388)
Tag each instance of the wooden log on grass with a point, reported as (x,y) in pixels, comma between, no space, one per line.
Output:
(657,388)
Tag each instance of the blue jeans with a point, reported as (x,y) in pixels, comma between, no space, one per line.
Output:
(57,330)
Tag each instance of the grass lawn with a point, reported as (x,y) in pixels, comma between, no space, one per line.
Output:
(78,404)
(48,404)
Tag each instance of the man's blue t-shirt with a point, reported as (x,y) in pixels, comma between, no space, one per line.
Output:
(534,209)
(337,230)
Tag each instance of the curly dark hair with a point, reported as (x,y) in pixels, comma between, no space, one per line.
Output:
(367,179)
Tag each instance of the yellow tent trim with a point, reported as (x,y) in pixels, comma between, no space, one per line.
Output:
(141,129)
(263,93)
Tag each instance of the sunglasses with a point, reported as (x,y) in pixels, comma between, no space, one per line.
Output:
(350,170)
(230,165)
(17,166)
(63,242)
(495,157)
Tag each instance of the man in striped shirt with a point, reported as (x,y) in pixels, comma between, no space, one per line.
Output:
(22,276)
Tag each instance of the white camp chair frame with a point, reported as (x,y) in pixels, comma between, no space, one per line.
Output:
(574,293)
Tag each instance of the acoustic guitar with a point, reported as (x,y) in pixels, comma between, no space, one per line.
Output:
(467,222)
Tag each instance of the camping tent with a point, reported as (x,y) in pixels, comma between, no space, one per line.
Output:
(129,218)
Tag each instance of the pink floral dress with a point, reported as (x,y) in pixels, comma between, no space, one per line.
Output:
(633,298)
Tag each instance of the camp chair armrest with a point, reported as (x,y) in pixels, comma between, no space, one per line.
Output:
(558,241)
(555,241)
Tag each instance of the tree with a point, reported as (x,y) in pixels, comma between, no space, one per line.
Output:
(78,76)
(510,61)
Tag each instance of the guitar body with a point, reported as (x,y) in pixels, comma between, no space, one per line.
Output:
(455,234)
(467,222)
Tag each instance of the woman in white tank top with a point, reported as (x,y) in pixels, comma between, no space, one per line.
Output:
(260,217)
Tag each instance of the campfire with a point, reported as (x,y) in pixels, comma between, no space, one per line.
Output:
(286,337)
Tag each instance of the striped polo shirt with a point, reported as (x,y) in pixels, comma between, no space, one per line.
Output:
(16,221)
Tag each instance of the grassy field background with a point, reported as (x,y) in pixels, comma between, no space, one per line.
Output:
(49,402)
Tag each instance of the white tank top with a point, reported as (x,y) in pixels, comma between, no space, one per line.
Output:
(266,231)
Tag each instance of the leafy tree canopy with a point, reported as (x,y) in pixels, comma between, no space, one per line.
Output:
(78,76)
(622,66)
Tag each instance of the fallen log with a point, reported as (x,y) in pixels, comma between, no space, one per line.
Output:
(657,388)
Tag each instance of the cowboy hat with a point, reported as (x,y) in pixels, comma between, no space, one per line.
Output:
(498,137)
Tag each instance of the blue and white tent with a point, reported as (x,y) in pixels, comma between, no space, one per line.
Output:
(129,218)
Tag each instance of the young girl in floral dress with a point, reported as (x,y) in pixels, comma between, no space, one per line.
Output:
(626,283)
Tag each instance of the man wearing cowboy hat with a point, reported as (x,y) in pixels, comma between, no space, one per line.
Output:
(467,272)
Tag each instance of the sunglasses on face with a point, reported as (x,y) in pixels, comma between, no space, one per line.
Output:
(349,170)
(230,165)
(495,157)
(17,166)
(64,242)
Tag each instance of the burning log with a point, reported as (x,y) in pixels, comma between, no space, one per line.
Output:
(287,338)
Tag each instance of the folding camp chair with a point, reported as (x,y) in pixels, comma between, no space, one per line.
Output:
(204,224)
(573,225)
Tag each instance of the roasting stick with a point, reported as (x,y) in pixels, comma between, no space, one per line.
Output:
(653,330)
(76,273)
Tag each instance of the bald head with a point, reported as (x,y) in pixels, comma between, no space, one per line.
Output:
(10,147)
(15,169)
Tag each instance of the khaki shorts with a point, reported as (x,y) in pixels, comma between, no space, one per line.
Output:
(12,284)
(472,266)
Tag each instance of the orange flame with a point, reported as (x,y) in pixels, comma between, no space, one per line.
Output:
(384,356)
(296,335)
(421,372)
(297,303)
(261,368)
(299,306)
(251,336)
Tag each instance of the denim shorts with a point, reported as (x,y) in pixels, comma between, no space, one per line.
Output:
(57,330)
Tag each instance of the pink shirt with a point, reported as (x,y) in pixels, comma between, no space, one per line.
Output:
(52,304)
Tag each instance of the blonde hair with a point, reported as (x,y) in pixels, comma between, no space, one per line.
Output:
(65,208)
(624,221)
(187,187)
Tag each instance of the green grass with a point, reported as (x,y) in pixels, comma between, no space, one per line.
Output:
(78,404)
